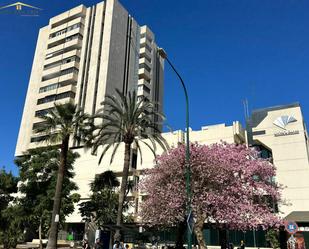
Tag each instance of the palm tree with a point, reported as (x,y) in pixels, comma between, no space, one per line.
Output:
(58,125)
(130,120)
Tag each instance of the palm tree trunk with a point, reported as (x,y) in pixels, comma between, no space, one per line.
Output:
(53,234)
(40,234)
(123,188)
(198,229)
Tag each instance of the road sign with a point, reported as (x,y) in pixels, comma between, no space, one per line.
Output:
(190,222)
(291,227)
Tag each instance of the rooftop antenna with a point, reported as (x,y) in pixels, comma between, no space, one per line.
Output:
(246,109)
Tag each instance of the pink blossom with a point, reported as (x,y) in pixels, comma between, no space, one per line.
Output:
(229,185)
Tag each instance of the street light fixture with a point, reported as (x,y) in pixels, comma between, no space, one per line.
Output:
(163,54)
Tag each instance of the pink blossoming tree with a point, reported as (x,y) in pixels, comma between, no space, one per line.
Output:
(230,185)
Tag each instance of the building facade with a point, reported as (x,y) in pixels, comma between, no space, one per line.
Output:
(281,132)
(278,132)
(84,54)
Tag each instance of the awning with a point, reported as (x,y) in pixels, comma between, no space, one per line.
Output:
(298,216)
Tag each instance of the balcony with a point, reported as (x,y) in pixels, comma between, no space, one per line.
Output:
(144,74)
(79,11)
(55,97)
(57,70)
(64,47)
(58,90)
(145,61)
(144,52)
(143,40)
(62,56)
(58,40)
(53,73)
(68,24)
(144,82)
(52,104)
(64,79)
(143,91)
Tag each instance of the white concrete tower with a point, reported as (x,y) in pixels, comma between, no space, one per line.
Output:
(81,56)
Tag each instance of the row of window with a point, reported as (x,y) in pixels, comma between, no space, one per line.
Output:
(63,31)
(49,88)
(54,97)
(38,139)
(144,65)
(38,125)
(68,19)
(62,62)
(43,112)
(61,73)
(67,39)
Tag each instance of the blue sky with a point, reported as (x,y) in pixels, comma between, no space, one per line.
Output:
(226,51)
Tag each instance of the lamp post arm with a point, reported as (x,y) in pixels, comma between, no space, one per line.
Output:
(188,168)
(187,104)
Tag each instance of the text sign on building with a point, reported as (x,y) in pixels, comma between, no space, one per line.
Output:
(291,227)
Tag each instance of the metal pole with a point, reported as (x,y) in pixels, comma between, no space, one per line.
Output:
(188,168)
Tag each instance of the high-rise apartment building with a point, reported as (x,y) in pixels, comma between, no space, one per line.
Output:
(81,56)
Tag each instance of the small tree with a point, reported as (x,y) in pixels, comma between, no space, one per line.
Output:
(103,204)
(272,236)
(230,185)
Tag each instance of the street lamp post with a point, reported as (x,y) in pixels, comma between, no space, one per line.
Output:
(163,54)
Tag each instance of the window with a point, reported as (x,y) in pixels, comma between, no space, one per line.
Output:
(143,88)
(43,112)
(38,139)
(38,125)
(63,31)
(144,65)
(146,89)
(57,74)
(70,38)
(49,88)
(61,62)
(54,97)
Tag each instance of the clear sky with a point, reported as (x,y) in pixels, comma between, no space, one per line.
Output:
(226,51)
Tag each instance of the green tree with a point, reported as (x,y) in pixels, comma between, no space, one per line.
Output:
(130,120)
(38,176)
(8,185)
(102,206)
(58,126)
(272,236)
(12,226)
(10,223)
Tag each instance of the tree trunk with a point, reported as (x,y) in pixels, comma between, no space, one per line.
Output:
(40,234)
(181,230)
(198,230)
(223,237)
(123,188)
(53,234)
